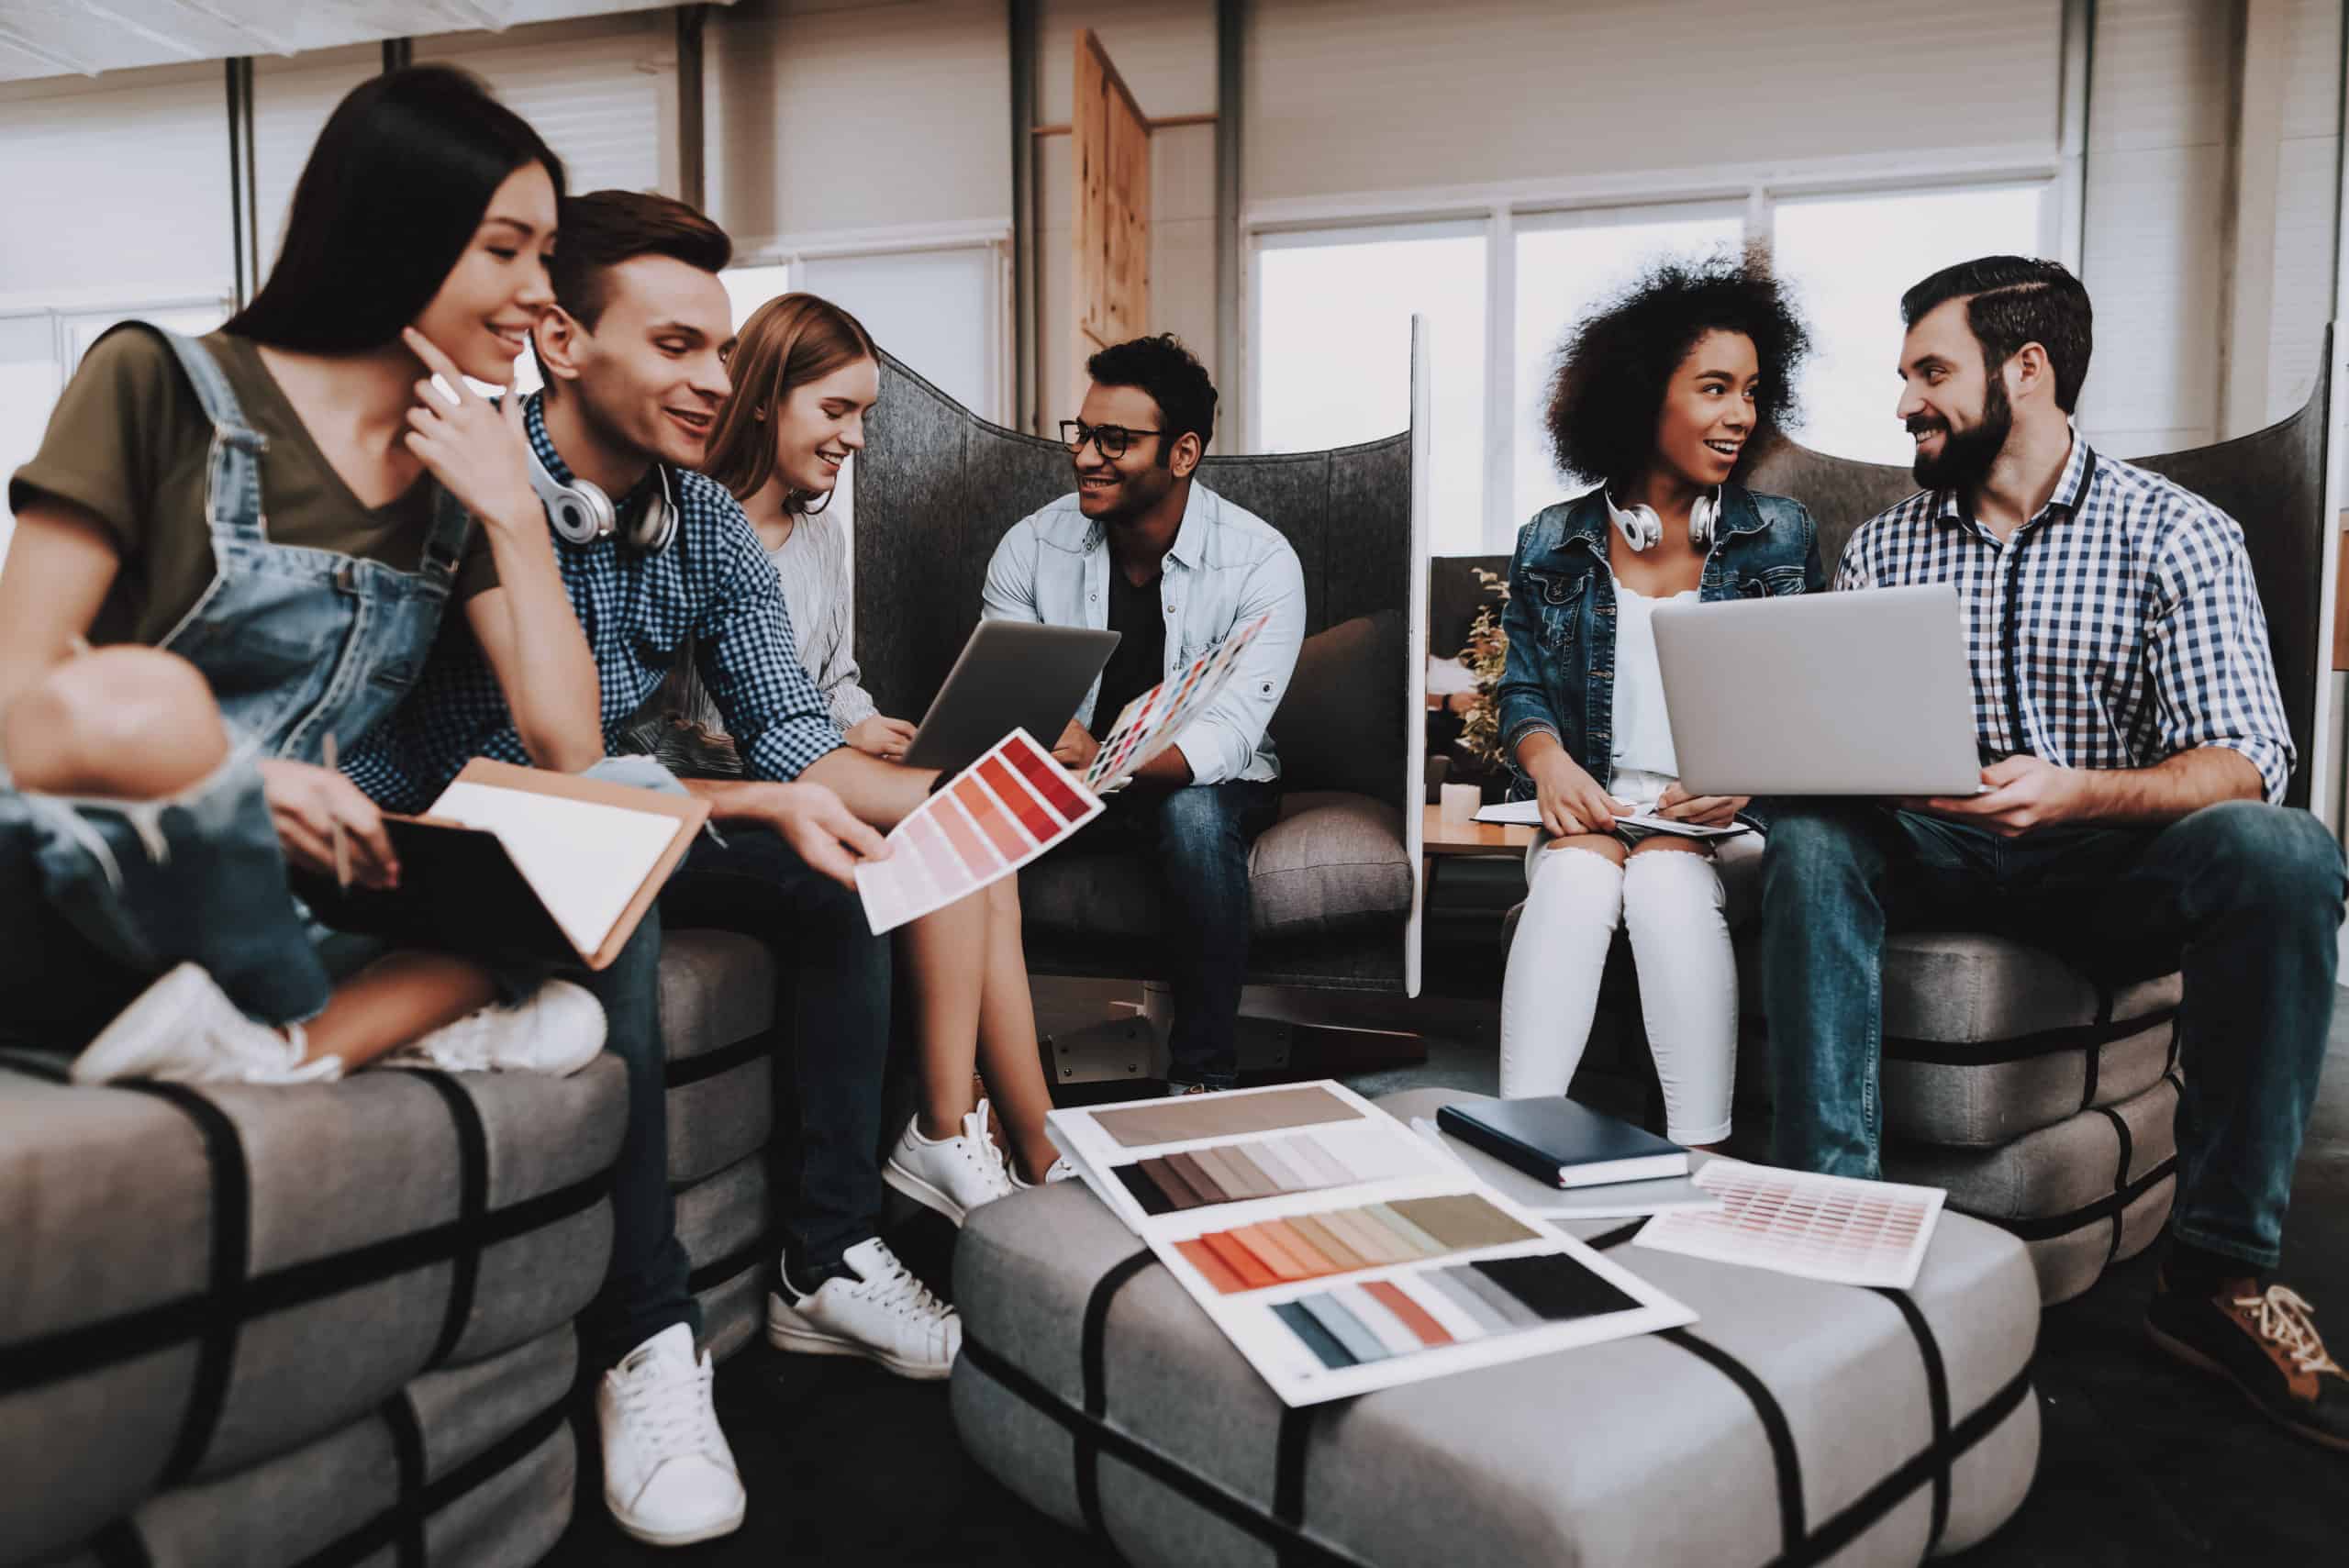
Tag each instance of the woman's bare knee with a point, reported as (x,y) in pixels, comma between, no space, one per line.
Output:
(126,722)
(1604,845)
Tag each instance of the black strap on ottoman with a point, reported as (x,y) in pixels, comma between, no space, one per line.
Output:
(1929,1351)
(472,1201)
(408,1452)
(1092,1352)
(2120,1176)
(1775,1427)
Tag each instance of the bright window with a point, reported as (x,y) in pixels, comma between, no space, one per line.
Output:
(749,287)
(1568,264)
(1850,258)
(935,310)
(1332,353)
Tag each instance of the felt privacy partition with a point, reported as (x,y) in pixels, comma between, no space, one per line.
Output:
(937,487)
(1794,1422)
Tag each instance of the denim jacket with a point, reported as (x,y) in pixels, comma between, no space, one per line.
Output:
(1226,567)
(1561,613)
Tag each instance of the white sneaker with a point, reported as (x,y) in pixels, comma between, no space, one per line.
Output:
(1058,1170)
(668,1478)
(557,1031)
(884,1314)
(184,1029)
(952,1175)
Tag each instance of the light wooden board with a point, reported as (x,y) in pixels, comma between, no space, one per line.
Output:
(1111,145)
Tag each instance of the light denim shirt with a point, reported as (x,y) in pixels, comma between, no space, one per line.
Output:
(1226,567)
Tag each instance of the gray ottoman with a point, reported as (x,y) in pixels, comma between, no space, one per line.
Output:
(2092,1188)
(1795,1422)
(717,1022)
(233,1275)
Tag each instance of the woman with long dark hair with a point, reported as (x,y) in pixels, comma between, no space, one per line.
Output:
(261,529)
(1664,396)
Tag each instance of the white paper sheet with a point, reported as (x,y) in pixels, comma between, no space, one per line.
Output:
(584,860)
(1824,1228)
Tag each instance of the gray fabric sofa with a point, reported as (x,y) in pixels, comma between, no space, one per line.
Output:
(1335,878)
(2041,1100)
(314,1325)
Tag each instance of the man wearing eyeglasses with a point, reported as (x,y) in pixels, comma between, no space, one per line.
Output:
(1142,550)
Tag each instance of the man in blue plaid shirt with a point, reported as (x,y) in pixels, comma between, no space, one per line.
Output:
(634,357)
(2123,683)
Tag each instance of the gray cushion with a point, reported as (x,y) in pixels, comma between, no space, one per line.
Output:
(1331,862)
(718,1011)
(367,1254)
(2090,1188)
(724,1223)
(495,1487)
(1508,1464)
(1340,723)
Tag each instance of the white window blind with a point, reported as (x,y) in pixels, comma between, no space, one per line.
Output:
(936,310)
(1398,95)
(602,93)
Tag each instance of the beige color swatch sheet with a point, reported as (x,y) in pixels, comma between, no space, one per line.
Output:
(584,861)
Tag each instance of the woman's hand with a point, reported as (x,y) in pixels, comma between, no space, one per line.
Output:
(1676,805)
(476,449)
(306,805)
(883,738)
(1570,799)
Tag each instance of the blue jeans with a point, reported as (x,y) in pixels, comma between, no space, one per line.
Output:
(2246,899)
(1195,840)
(833,1016)
(99,898)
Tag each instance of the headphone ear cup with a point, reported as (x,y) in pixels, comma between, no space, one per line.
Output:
(658,527)
(1702,516)
(1639,524)
(581,512)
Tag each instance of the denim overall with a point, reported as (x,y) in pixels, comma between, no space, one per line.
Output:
(296,643)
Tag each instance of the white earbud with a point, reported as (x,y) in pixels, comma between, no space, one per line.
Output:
(1641,528)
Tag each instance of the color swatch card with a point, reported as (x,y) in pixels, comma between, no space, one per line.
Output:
(1338,1249)
(1328,1299)
(1822,1227)
(1152,721)
(1148,1159)
(993,818)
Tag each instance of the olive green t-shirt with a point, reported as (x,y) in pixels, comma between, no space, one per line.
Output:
(130,441)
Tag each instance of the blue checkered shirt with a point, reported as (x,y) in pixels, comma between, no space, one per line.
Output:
(712,591)
(2116,629)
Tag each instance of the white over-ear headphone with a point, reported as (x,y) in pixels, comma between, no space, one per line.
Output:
(583,514)
(1641,528)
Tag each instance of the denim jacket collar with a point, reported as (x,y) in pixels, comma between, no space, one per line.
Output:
(1588,523)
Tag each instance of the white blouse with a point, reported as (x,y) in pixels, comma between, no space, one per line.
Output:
(1643,729)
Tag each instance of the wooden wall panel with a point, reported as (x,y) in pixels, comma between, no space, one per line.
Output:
(1112,145)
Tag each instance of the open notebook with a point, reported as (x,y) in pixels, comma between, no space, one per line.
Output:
(516,860)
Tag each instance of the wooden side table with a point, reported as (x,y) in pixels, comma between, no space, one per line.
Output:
(1446,837)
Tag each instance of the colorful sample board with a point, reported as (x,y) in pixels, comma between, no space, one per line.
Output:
(1822,1227)
(1152,721)
(987,822)
(1338,1252)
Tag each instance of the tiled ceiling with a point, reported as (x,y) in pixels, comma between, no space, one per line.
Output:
(66,37)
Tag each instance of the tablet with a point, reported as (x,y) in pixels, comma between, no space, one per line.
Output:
(1011,675)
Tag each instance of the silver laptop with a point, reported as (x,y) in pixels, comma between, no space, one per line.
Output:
(1011,675)
(1857,693)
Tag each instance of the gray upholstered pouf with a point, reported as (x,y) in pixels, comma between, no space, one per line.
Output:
(2093,1188)
(467,1467)
(1820,1420)
(231,1272)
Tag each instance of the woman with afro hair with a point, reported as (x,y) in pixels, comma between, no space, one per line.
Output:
(1662,399)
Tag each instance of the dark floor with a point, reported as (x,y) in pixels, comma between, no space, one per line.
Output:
(2141,1464)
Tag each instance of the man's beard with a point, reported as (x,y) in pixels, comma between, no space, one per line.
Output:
(1967,455)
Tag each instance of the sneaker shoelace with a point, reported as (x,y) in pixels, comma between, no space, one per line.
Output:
(671,1413)
(979,1148)
(896,1290)
(2284,1317)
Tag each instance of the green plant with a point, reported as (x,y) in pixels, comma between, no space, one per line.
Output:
(1486,655)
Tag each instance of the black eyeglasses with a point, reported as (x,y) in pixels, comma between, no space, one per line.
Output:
(1113,439)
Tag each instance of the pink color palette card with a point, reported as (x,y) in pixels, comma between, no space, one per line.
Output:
(1152,721)
(990,819)
(1824,1228)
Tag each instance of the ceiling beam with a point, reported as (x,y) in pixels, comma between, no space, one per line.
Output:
(13,38)
(178,46)
(274,42)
